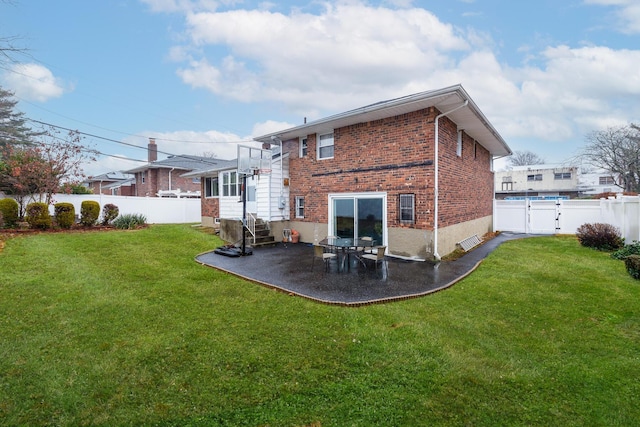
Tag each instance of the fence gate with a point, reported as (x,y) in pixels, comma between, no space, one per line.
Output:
(543,216)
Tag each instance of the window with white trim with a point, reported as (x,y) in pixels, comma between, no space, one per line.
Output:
(303,146)
(299,207)
(211,187)
(507,186)
(606,180)
(325,146)
(459,144)
(562,175)
(536,177)
(407,209)
(230,184)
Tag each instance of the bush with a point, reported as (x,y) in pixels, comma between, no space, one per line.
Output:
(109,213)
(129,221)
(89,213)
(9,209)
(632,249)
(65,214)
(37,215)
(603,237)
(632,262)
(1,220)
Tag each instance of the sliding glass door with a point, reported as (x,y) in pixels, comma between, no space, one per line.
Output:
(358,215)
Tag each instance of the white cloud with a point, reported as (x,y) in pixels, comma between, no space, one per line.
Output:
(351,54)
(33,82)
(627,14)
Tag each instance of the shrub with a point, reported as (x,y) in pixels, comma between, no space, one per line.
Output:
(37,215)
(89,213)
(129,221)
(65,214)
(632,249)
(632,262)
(9,209)
(603,237)
(1,220)
(109,213)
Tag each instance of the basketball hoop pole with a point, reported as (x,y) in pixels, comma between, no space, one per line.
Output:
(244,214)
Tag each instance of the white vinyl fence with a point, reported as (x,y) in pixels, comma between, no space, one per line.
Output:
(565,216)
(157,210)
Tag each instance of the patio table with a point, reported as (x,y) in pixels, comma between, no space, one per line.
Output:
(346,245)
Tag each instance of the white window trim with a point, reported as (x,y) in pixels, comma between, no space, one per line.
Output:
(459,144)
(303,138)
(320,134)
(208,178)
(223,185)
(298,199)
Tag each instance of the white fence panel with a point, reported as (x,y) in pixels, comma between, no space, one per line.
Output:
(510,215)
(565,216)
(157,210)
(542,216)
(574,213)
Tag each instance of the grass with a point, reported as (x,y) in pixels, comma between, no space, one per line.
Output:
(124,328)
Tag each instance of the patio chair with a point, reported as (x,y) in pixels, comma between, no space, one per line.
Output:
(365,249)
(377,257)
(318,252)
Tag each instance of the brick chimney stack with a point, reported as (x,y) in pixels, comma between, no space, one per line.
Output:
(152,149)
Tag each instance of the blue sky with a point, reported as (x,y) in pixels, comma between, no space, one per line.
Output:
(204,75)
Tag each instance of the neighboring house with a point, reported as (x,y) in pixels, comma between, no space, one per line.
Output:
(160,178)
(539,181)
(598,182)
(552,181)
(415,173)
(112,183)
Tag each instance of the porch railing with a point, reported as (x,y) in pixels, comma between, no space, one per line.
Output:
(251,226)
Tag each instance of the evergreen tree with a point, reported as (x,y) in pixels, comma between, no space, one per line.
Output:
(13,128)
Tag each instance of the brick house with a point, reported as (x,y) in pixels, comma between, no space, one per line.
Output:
(415,173)
(112,183)
(160,178)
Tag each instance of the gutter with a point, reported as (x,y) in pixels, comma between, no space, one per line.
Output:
(436,255)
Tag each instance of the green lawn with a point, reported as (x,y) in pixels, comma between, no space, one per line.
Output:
(124,328)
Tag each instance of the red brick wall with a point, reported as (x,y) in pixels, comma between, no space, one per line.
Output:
(395,155)
(158,179)
(209,206)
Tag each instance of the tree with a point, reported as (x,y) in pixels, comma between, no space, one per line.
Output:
(13,128)
(36,172)
(617,150)
(525,158)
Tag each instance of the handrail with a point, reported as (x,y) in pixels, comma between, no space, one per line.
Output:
(251,225)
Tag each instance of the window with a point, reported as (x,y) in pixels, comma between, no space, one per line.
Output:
(562,175)
(142,175)
(325,146)
(407,209)
(299,207)
(196,180)
(459,145)
(507,186)
(606,180)
(230,184)
(303,146)
(211,187)
(536,177)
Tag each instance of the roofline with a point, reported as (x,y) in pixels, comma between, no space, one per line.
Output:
(388,105)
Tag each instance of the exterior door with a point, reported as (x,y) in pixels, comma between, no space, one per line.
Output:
(252,206)
(358,215)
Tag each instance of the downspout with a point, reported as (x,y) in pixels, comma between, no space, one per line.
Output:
(171,170)
(280,200)
(436,255)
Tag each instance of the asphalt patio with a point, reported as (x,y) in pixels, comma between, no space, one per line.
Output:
(288,268)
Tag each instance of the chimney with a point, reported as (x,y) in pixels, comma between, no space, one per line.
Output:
(152,149)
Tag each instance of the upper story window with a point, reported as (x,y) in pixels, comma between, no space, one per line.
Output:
(459,144)
(536,177)
(303,146)
(507,186)
(562,175)
(325,146)
(230,184)
(606,180)
(211,187)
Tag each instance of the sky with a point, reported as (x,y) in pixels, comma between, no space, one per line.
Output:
(202,76)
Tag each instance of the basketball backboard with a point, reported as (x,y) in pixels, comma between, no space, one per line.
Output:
(253,161)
